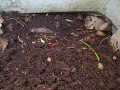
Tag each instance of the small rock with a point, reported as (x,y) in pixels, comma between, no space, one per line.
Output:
(100,66)
(114,58)
(73,69)
(49,59)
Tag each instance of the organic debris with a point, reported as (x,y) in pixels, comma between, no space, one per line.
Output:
(57,61)
(1,32)
(41,30)
(114,58)
(79,17)
(115,40)
(100,66)
(42,41)
(3,44)
(10,27)
(1,19)
(86,44)
(93,22)
(68,20)
(99,33)
(49,59)
(53,43)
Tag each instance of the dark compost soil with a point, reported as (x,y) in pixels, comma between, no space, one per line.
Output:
(55,61)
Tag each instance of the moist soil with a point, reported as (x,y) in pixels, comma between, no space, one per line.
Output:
(58,60)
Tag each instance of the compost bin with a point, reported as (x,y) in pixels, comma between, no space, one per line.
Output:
(59,45)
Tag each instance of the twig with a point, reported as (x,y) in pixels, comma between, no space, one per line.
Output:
(104,39)
(16,21)
(20,39)
(86,44)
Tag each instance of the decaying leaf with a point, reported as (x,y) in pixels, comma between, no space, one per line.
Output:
(93,22)
(1,19)
(100,33)
(0,25)
(103,27)
(3,43)
(79,17)
(115,40)
(114,43)
(89,23)
(1,32)
(41,30)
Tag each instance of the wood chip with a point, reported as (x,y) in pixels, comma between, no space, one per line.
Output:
(3,43)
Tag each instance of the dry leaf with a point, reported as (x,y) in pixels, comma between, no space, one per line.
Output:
(0,25)
(100,33)
(1,32)
(94,22)
(3,43)
(114,43)
(78,18)
(89,23)
(1,19)
(103,27)
(115,40)
(41,30)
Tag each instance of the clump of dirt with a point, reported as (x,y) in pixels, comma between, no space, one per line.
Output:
(55,61)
